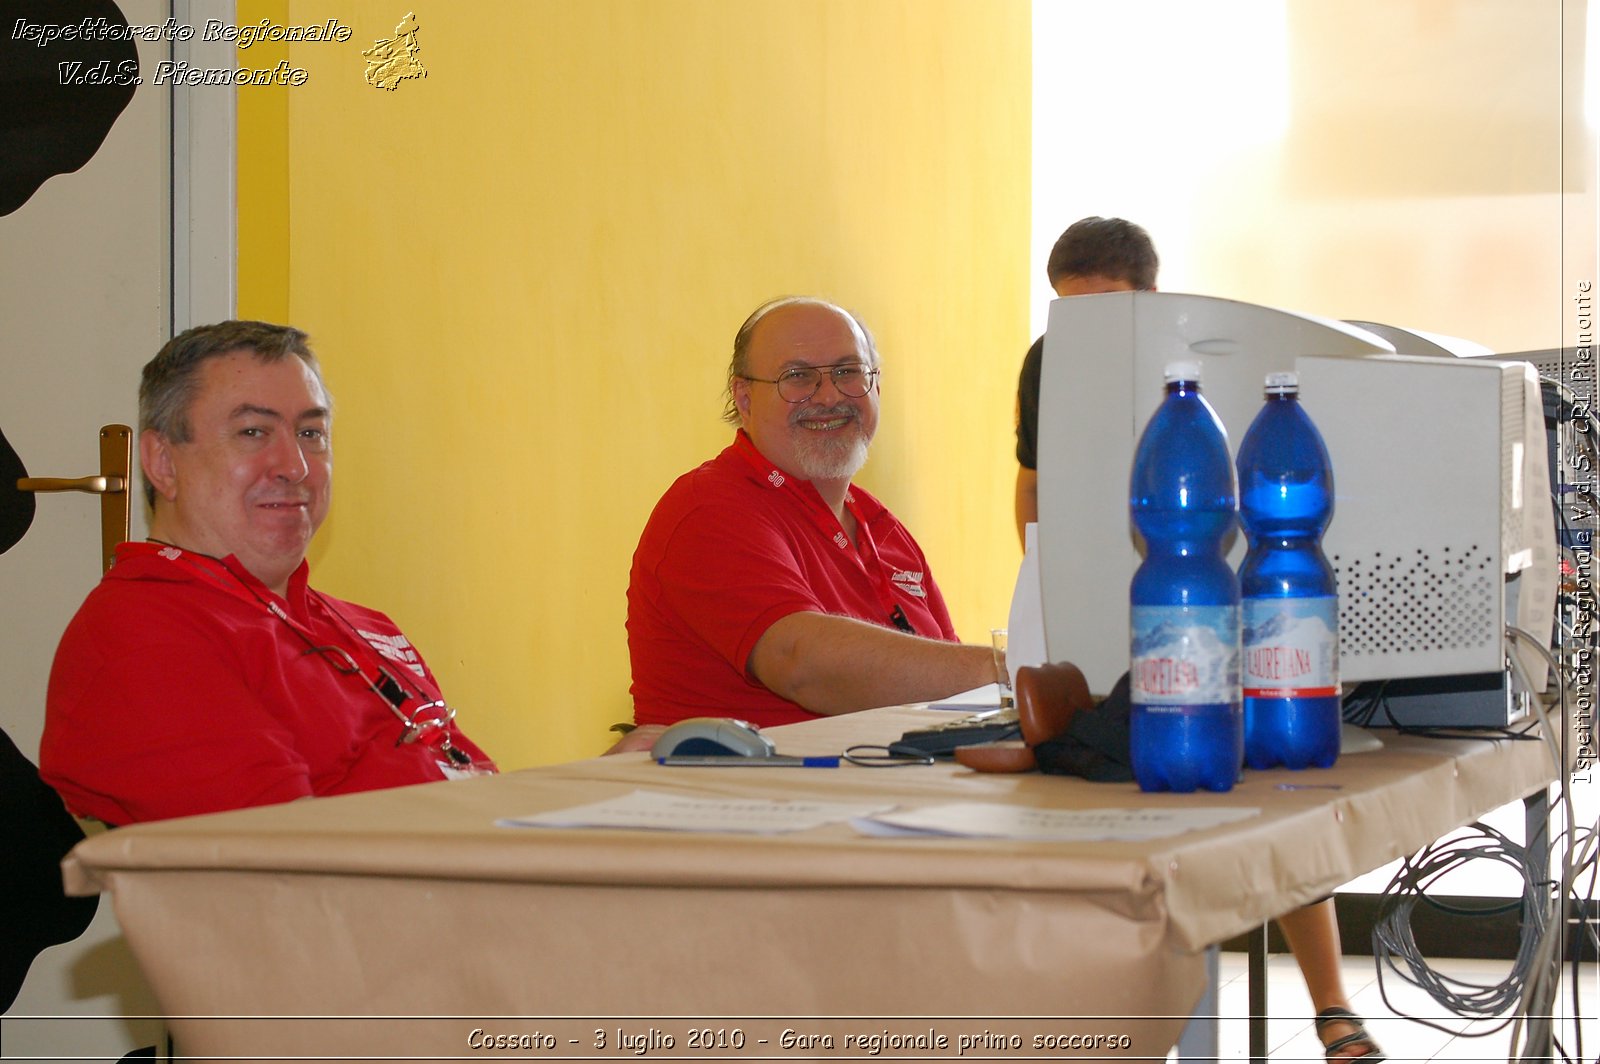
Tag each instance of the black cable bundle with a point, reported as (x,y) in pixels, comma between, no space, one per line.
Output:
(1394,945)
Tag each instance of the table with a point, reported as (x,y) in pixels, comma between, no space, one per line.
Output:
(408,921)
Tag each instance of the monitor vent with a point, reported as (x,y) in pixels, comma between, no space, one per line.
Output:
(1426,601)
(1511,519)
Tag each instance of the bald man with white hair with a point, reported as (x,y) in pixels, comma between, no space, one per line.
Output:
(766,585)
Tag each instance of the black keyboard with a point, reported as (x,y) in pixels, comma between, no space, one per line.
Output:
(943,739)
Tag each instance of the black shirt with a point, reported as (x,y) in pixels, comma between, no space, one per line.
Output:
(1028,407)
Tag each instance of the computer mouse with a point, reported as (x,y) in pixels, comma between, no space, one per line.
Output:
(712,737)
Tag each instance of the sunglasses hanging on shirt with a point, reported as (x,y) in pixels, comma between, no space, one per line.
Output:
(428,723)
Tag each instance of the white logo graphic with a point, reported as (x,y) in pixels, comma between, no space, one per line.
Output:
(909,582)
(841,541)
(397,648)
(775,478)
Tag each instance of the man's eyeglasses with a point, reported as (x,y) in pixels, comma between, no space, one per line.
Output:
(800,383)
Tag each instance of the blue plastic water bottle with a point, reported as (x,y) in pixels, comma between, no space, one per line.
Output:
(1290,608)
(1186,727)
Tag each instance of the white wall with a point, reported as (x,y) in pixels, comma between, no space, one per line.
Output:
(86,299)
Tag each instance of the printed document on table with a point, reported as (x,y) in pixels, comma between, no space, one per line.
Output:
(987,820)
(655,811)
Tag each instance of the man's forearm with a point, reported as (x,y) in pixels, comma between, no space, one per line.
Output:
(834,665)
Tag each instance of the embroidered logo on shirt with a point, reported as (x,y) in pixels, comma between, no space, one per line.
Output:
(172,554)
(397,648)
(775,478)
(841,541)
(909,582)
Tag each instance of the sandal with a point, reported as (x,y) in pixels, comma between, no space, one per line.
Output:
(1335,1014)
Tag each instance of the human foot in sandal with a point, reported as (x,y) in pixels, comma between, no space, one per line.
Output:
(1347,1037)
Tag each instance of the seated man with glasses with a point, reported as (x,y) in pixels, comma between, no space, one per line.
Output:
(203,673)
(765,585)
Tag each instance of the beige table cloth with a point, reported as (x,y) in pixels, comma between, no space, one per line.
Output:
(411,927)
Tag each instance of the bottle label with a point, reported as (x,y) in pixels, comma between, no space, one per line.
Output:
(1291,647)
(1184,655)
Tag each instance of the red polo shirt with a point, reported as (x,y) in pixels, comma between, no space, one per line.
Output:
(731,548)
(176,690)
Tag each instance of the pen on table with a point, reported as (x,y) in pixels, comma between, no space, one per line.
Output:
(735,761)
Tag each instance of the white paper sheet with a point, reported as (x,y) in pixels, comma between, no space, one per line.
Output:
(986,820)
(975,700)
(1025,633)
(655,811)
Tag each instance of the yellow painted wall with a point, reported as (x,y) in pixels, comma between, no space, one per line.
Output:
(523,274)
(262,113)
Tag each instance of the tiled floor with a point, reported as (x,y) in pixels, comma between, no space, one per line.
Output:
(1290,1036)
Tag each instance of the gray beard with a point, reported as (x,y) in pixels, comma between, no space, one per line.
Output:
(831,459)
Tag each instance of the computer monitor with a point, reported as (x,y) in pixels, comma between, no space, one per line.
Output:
(1395,453)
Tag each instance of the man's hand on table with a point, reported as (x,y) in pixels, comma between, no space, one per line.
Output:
(641,738)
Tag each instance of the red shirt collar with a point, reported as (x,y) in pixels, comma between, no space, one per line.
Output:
(861,503)
(227,573)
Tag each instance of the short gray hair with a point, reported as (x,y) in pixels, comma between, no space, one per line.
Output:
(739,364)
(168,382)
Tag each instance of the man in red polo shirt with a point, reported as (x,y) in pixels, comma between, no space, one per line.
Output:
(204,673)
(765,585)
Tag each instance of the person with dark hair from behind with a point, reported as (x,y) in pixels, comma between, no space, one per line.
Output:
(1094,255)
(204,673)
(1097,255)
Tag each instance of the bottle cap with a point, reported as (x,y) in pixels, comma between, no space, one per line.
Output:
(1283,384)
(1183,371)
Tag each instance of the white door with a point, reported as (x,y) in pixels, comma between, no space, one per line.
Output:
(86,298)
